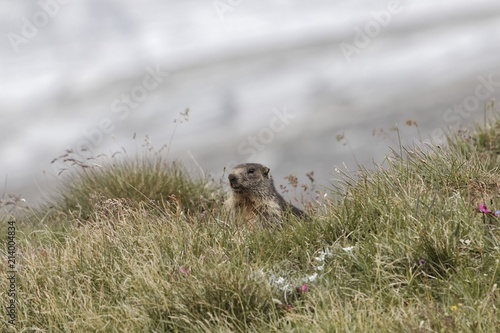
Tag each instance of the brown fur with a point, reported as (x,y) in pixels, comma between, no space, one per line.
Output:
(255,197)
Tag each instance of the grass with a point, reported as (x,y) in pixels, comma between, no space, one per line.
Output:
(147,248)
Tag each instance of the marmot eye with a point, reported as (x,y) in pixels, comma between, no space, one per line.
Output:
(251,170)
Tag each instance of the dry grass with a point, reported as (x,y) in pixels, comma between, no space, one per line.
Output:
(400,249)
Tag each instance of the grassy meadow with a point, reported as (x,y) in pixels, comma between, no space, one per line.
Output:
(139,244)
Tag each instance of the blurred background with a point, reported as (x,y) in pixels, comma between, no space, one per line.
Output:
(298,86)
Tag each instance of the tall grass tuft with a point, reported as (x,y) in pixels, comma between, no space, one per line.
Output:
(144,180)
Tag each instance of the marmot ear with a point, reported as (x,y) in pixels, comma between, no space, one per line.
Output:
(265,171)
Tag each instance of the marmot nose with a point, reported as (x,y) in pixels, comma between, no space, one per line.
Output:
(232,178)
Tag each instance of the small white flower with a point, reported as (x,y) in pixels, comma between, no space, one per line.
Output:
(321,257)
(348,249)
(466,241)
(313,277)
(320,268)
(456,197)
(280,280)
(285,287)
(324,255)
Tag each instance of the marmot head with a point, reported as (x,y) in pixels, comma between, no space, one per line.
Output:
(250,178)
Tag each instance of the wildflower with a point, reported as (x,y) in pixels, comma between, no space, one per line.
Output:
(421,262)
(321,257)
(313,277)
(453,308)
(348,249)
(483,209)
(184,270)
(320,268)
(466,241)
(497,213)
(280,280)
(280,283)
(286,307)
(286,287)
(303,289)
(324,255)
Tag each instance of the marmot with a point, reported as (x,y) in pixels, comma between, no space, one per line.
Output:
(255,197)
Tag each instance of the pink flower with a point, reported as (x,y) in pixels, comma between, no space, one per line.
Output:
(483,209)
(286,307)
(303,289)
(184,270)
